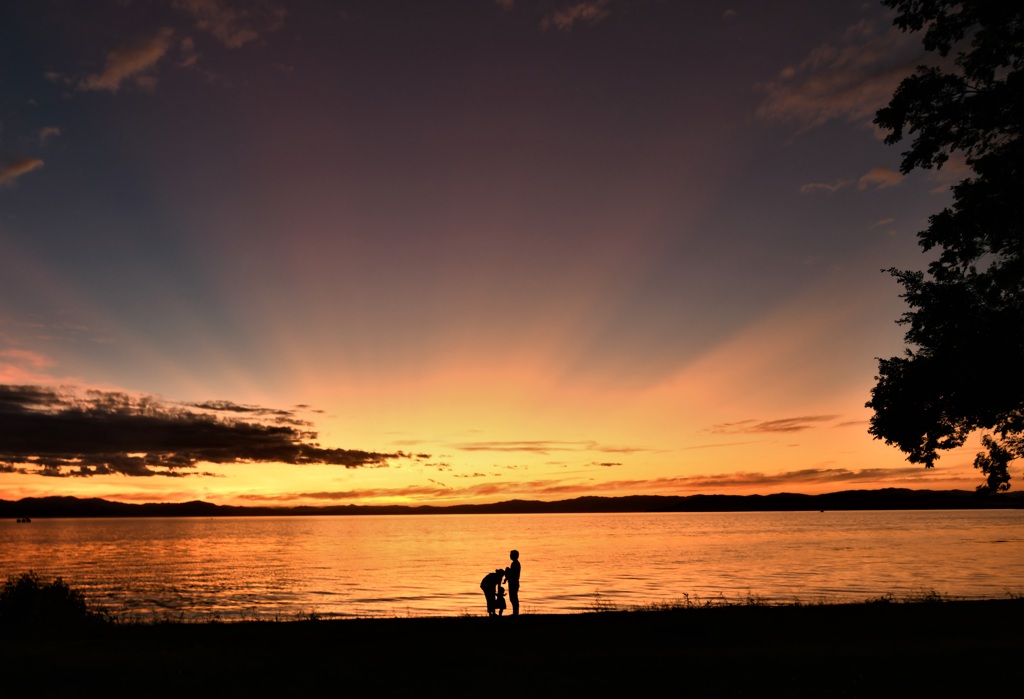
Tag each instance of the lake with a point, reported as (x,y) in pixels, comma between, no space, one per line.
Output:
(431,565)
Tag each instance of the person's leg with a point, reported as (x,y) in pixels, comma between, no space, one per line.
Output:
(513,597)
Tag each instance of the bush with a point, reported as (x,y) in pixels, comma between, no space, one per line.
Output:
(27,603)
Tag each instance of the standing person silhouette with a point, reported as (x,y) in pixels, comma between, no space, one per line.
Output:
(512,578)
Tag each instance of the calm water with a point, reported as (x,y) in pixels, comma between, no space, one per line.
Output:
(432,565)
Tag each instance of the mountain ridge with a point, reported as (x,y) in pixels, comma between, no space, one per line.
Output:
(882,499)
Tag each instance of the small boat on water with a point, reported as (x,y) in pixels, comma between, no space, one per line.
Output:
(25,520)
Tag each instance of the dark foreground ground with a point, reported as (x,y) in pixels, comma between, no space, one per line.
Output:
(865,650)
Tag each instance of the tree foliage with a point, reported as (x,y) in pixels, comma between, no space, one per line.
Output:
(965,328)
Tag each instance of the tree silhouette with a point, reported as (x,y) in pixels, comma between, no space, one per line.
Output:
(965,328)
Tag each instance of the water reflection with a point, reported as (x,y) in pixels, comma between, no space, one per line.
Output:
(431,565)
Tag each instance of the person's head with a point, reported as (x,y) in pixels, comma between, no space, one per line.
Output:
(514,555)
(499,571)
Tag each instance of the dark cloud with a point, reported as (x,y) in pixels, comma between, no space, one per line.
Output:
(226,406)
(61,433)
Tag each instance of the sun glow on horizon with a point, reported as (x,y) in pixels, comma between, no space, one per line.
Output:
(538,264)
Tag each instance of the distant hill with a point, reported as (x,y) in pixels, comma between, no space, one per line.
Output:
(885,499)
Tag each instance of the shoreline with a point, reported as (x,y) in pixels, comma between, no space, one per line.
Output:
(863,649)
(682,605)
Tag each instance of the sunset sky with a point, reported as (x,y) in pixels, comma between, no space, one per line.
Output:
(457,251)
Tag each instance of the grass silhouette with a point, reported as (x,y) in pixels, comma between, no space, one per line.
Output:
(925,644)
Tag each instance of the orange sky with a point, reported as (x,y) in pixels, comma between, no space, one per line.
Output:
(466,253)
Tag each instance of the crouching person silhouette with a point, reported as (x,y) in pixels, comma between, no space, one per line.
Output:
(490,587)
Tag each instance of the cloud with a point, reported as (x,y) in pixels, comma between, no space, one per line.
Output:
(563,18)
(809,479)
(189,56)
(56,432)
(879,178)
(790,424)
(364,494)
(506,5)
(225,406)
(130,63)
(824,187)
(234,24)
(951,173)
(28,358)
(544,447)
(718,445)
(863,424)
(16,168)
(48,132)
(850,78)
(429,492)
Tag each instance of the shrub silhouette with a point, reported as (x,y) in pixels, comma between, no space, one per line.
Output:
(28,603)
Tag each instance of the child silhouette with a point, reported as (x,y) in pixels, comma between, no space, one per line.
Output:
(499,600)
